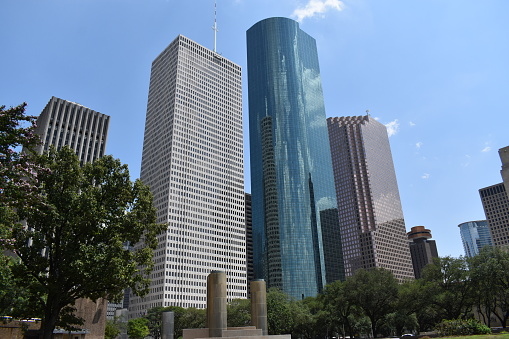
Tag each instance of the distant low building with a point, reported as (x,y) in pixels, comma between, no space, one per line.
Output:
(422,249)
(475,235)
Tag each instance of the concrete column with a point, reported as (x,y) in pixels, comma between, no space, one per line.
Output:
(168,325)
(259,305)
(216,303)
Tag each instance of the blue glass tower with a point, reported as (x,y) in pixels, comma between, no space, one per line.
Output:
(295,225)
(475,235)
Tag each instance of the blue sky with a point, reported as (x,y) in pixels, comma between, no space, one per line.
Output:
(435,71)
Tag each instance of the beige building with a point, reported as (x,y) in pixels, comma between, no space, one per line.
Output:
(373,230)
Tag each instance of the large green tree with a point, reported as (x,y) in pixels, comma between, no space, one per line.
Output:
(448,286)
(375,291)
(489,271)
(74,244)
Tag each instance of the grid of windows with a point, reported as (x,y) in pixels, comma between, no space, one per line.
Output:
(496,208)
(65,123)
(372,226)
(193,162)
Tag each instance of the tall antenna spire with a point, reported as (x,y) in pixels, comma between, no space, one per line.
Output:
(215,26)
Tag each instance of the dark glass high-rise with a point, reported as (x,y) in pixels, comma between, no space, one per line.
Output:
(293,197)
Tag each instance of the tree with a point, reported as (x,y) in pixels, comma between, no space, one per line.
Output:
(137,328)
(16,189)
(448,286)
(74,245)
(375,291)
(490,278)
(154,317)
(279,316)
(339,308)
(414,299)
(239,312)
(15,169)
(193,318)
(112,330)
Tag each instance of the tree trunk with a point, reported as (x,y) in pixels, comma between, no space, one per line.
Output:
(51,314)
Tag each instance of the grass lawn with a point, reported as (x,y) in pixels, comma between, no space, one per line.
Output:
(484,336)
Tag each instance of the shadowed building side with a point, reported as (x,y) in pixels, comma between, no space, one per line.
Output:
(422,249)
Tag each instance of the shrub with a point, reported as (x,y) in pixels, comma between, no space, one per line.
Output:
(461,327)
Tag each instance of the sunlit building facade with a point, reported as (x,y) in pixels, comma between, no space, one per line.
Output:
(293,198)
(193,163)
(370,214)
(66,123)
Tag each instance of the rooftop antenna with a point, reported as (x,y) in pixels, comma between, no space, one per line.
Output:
(214,28)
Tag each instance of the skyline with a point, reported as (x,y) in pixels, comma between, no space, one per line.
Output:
(435,73)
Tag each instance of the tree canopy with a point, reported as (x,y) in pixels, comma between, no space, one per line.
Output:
(75,242)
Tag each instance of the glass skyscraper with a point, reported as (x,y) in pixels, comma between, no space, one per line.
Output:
(475,235)
(293,198)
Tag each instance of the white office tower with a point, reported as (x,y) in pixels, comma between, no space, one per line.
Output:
(193,163)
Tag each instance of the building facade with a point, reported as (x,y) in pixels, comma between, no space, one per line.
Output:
(422,249)
(475,235)
(65,123)
(496,208)
(291,172)
(249,243)
(193,163)
(372,225)
(504,157)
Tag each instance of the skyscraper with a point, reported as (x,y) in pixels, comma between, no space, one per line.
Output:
(504,157)
(422,249)
(372,225)
(496,208)
(249,242)
(193,163)
(65,123)
(293,196)
(475,235)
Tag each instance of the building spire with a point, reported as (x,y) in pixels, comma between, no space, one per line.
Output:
(214,28)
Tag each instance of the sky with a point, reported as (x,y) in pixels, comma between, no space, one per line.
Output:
(435,72)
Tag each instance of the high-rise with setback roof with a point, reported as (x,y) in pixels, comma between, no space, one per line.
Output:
(372,229)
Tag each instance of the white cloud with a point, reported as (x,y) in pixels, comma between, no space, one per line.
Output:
(376,118)
(392,127)
(486,149)
(314,7)
(425,176)
(411,124)
(418,145)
